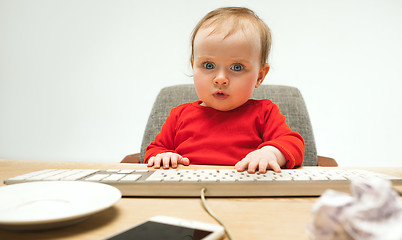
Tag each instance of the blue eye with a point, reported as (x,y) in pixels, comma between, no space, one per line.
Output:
(209,65)
(237,67)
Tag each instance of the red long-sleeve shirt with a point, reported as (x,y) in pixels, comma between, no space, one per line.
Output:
(208,136)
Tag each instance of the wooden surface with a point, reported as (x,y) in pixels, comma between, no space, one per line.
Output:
(247,218)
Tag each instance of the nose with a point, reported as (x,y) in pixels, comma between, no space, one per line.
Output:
(221,79)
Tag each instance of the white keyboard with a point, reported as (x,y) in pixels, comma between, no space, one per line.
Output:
(218,183)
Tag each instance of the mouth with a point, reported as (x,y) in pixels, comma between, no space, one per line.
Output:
(220,95)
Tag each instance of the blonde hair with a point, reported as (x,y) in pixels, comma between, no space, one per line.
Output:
(240,18)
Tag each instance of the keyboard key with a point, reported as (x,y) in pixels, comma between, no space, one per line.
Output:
(172,179)
(301,178)
(96,177)
(191,179)
(126,171)
(265,178)
(46,175)
(153,179)
(113,178)
(30,175)
(78,175)
(226,179)
(209,179)
(63,174)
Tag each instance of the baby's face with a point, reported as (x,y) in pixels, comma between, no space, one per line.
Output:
(226,69)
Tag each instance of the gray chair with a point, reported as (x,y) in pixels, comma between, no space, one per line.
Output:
(288,99)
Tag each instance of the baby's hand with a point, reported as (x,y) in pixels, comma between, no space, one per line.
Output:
(267,157)
(167,159)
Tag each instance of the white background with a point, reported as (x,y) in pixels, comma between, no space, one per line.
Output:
(78,78)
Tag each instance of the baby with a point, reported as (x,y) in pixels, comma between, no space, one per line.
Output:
(230,48)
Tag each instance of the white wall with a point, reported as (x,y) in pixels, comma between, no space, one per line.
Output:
(78,77)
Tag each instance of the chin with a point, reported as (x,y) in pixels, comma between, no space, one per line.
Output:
(220,106)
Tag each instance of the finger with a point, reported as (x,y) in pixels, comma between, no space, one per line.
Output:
(157,161)
(275,166)
(252,166)
(166,161)
(262,167)
(174,159)
(242,165)
(151,162)
(185,161)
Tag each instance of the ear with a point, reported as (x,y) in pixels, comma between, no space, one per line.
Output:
(261,74)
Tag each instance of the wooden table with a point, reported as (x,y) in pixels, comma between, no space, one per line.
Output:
(247,218)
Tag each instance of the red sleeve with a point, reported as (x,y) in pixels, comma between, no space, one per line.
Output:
(164,140)
(278,134)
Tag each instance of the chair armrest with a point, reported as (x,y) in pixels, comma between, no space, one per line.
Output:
(133,158)
(326,162)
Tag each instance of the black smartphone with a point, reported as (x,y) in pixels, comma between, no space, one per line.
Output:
(169,228)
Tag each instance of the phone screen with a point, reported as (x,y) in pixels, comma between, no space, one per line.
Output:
(157,231)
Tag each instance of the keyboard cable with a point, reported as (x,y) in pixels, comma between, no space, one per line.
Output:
(204,204)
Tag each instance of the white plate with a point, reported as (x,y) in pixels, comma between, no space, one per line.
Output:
(50,204)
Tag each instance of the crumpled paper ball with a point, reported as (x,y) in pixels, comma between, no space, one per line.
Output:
(372,212)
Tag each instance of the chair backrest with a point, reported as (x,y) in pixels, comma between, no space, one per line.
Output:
(288,99)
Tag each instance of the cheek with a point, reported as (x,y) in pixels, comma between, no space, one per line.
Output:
(249,81)
(201,77)
(200,83)
(198,78)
